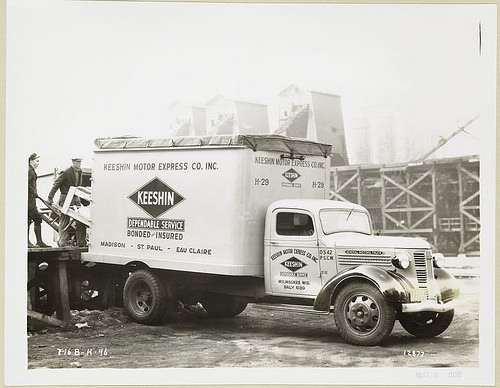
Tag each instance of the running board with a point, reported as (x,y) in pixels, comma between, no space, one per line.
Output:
(292,308)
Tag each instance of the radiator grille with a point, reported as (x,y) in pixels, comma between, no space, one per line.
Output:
(422,270)
(384,261)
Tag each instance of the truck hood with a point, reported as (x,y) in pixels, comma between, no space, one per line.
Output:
(372,241)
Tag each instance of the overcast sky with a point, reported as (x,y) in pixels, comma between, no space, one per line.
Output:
(81,70)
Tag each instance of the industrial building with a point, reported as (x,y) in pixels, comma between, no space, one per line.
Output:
(437,199)
(187,120)
(225,116)
(315,116)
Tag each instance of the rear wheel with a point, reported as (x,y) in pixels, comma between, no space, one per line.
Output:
(426,324)
(88,293)
(362,314)
(145,297)
(222,306)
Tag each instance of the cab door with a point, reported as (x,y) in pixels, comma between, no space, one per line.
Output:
(293,254)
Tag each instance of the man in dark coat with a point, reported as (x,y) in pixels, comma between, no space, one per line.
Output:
(72,176)
(33,214)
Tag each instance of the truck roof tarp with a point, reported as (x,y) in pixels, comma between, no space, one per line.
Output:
(278,143)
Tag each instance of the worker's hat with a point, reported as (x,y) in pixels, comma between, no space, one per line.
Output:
(76,159)
(33,156)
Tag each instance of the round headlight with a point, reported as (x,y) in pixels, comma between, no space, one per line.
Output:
(402,260)
(438,260)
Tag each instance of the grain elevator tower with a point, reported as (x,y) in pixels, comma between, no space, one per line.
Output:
(186,120)
(227,116)
(315,116)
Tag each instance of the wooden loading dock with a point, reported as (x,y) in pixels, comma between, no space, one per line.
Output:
(58,282)
(435,199)
(48,285)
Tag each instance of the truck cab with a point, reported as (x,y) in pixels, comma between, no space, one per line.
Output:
(318,249)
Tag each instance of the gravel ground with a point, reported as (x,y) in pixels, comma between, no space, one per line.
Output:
(258,337)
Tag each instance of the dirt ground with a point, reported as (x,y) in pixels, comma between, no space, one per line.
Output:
(258,337)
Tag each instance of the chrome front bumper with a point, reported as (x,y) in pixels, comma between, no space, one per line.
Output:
(434,306)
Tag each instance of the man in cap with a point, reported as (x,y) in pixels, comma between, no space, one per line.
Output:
(33,214)
(72,176)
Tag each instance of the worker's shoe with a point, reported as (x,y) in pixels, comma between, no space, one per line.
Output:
(39,241)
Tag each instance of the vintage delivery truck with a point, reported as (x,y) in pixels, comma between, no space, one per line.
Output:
(224,221)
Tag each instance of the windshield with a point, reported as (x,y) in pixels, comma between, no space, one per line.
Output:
(345,220)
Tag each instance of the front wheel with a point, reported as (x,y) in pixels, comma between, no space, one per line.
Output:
(145,297)
(362,314)
(426,324)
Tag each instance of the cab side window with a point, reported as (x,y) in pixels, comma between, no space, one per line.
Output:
(294,224)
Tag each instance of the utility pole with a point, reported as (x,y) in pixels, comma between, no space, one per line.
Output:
(443,141)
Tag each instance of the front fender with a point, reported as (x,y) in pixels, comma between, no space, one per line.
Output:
(389,284)
(447,283)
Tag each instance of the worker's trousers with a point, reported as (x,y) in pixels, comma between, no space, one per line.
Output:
(64,232)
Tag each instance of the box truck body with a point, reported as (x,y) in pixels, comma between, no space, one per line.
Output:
(196,204)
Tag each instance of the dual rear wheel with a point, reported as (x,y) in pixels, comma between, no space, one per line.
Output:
(222,306)
(146,300)
(145,297)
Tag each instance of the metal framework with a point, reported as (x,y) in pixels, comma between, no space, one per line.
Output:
(437,199)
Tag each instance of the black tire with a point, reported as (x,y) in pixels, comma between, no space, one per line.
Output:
(45,300)
(426,324)
(145,297)
(95,288)
(223,306)
(362,314)
(239,308)
(42,289)
(87,294)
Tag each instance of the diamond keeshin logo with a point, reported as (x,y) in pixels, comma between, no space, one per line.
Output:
(156,197)
(291,175)
(293,264)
